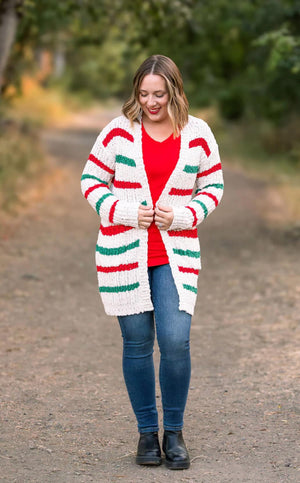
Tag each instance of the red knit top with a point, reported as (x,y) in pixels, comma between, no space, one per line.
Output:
(160,159)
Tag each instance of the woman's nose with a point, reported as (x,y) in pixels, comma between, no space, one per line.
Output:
(151,101)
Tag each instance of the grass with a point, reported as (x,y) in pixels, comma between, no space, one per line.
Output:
(244,148)
(21,161)
(242,145)
(41,106)
(265,154)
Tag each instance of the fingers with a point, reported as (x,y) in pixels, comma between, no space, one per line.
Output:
(163,217)
(145,208)
(145,216)
(165,209)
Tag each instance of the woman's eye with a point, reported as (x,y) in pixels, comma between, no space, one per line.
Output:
(157,95)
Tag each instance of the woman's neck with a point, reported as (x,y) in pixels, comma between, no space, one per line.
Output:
(159,131)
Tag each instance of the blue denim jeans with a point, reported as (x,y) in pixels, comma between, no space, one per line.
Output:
(173,334)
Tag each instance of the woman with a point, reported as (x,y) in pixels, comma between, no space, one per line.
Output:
(153,175)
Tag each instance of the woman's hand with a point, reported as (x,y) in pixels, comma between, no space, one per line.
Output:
(145,216)
(163,217)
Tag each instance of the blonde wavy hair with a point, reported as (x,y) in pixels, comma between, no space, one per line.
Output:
(177,106)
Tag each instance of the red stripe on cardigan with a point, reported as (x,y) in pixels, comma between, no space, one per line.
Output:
(200,142)
(100,164)
(216,167)
(194,215)
(117,131)
(179,192)
(112,212)
(126,184)
(92,188)
(114,230)
(186,233)
(119,268)
(188,270)
(213,197)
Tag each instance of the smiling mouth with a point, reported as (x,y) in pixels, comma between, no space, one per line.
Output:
(153,111)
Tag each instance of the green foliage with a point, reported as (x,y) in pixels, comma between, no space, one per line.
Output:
(102,75)
(239,55)
(242,55)
(282,48)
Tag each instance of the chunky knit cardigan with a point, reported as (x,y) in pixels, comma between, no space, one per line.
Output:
(115,183)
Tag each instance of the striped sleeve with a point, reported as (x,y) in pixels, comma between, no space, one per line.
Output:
(209,185)
(96,179)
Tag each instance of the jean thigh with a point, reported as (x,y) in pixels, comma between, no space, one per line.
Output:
(173,325)
(163,289)
(137,327)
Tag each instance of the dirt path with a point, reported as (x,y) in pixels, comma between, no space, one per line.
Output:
(65,414)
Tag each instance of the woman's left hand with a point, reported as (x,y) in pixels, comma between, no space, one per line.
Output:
(163,217)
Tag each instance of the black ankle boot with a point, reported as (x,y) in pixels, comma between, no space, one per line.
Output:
(177,457)
(148,452)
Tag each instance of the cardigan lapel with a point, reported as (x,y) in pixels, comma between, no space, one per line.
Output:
(164,196)
(140,165)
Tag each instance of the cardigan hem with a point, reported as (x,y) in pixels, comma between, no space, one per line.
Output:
(186,308)
(120,310)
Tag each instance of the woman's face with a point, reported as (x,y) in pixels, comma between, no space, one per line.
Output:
(154,98)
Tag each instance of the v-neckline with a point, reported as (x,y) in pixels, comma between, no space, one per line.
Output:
(155,140)
(180,161)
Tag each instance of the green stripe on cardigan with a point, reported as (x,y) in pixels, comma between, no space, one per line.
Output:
(202,206)
(190,287)
(213,185)
(187,253)
(99,202)
(119,288)
(124,160)
(117,250)
(190,168)
(90,176)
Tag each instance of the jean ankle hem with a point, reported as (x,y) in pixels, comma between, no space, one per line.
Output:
(149,429)
(173,428)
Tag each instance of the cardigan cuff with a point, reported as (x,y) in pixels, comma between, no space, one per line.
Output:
(183,218)
(126,213)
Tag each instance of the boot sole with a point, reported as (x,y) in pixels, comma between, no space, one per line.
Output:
(140,460)
(177,465)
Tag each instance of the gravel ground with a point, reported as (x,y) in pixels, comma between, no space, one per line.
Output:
(65,413)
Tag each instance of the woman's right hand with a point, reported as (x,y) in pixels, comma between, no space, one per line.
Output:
(145,216)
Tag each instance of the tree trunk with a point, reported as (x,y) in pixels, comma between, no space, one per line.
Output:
(59,62)
(8,28)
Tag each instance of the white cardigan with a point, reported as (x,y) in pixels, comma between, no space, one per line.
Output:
(114,182)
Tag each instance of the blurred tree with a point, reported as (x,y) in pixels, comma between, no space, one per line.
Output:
(278,78)
(242,55)
(8,27)
(52,25)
